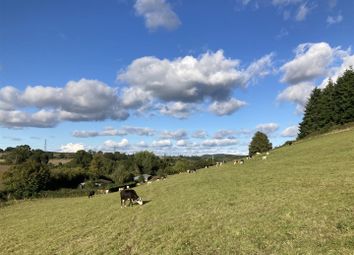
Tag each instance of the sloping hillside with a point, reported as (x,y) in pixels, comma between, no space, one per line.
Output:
(298,201)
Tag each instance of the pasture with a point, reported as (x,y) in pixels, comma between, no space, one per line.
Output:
(300,200)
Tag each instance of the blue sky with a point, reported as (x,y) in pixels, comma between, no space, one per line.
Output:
(172,77)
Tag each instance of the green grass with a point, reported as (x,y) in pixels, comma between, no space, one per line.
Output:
(298,201)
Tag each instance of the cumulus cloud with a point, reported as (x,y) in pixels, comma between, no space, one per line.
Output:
(176,135)
(182,143)
(157,13)
(109,131)
(72,147)
(311,61)
(141,131)
(226,107)
(18,119)
(177,109)
(189,79)
(9,98)
(199,134)
(267,128)
(222,134)
(162,143)
(298,93)
(219,142)
(110,144)
(291,131)
(83,100)
(334,19)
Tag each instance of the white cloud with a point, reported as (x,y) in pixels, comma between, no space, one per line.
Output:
(142,144)
(72,147)
(157,13)
(177,109)
(141,131)
(176,135)
(18,119)
(182,143)
(267,128)
(311,61)
(226,107)
(190,79)
(135,97)
(222,134)
(200,134)
(162,143)
(110,144)
(298,93)
(219,142)
(290,131)
(82,100)
(334,19)
(302,12)
(109,131)
(9,98)
(337,71)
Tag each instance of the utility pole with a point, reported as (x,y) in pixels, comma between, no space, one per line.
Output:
(45,145)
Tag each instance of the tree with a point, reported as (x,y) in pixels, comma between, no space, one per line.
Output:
(147,162)
(19,154)
(310,122)
(327,106)
(82,158)
(123,172)
(27,179)
(344,95)
(259,143)
(100,166)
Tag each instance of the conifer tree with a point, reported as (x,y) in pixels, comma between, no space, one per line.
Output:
(310,122)
(326,107)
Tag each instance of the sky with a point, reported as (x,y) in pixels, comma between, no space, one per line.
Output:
(175,77)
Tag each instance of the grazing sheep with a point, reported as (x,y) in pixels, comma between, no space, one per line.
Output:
(264,157)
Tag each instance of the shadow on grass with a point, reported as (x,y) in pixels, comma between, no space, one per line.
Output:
(146,202)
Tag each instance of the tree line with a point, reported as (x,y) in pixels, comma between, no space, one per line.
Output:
(32,172)
(329,107)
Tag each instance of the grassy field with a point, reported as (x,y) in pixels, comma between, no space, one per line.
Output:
(298,201)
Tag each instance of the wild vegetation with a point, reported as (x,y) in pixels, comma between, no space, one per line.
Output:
(32,173)
(298,201)
(330,107)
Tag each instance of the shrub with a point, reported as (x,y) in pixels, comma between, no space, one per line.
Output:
(27,179)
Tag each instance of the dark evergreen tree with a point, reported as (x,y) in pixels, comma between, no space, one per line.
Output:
(344,97)
(259,143)
(310,122)
(326,107)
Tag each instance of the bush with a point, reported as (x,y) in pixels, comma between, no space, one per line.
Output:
(66,177)
(62,193)
(27,179)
